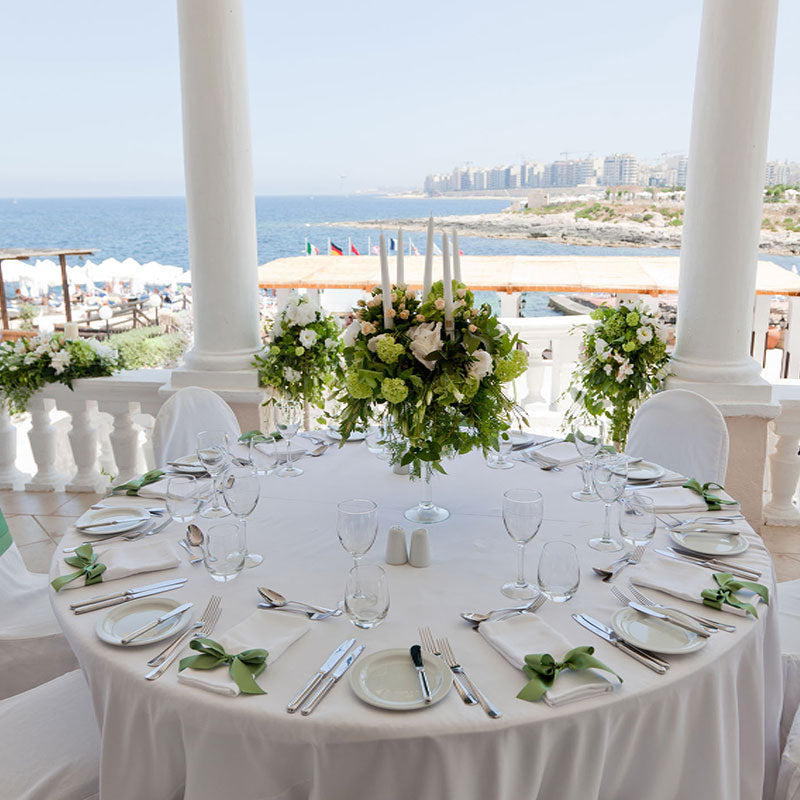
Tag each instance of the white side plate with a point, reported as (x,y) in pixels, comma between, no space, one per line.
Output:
(713,543)
(355,436)
(189,464)
(644,471)
(653,634)
(137,514)
(127,617)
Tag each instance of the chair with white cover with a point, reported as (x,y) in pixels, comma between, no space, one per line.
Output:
(788,605)
(32,648)
(184,415)
(682,431)
(51,744)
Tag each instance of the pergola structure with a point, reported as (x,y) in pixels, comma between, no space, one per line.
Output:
(23,254)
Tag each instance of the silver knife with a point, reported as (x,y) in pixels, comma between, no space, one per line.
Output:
(419,666)
(101,597)
(150,625)
(123,521)
(329,682)
(714,561)
(603,632)
(120,600)
(332,660)
(700,562)
(652,612)
(148,531)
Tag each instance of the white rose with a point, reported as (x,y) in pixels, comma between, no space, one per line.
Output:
(351,333)
(291,375)
(372,344)
(307,337)
(644,334)
(305,314)
(481,366)
(276,331)
(425,338)
(60,361)
(330,343)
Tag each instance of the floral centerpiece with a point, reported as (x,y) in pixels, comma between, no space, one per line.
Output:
(29,364)
(623,360)
(302,358)
(439,381)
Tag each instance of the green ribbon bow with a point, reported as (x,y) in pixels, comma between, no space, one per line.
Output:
(244,667)
(85,559)
(727,586)
(542,670)
(131,488)
(258,437)
(609,448)
(713,502)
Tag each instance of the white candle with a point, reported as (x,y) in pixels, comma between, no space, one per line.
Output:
(401,276)
(386,286)
(428,279)
(456,258)
(71,330)
(447,283)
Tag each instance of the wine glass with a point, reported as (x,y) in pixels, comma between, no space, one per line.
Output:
(559,571)
(212,450)
(498,457)
(357,526)
(637,519)
(288,416)
(588,438)
(241,491)
(263,455)
(522,516)
(182,498)
(224,551)
(610,475)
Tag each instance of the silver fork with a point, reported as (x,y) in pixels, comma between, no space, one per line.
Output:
(697,628)
(540,600)
(634,557)
(707,623)
(531,458)
(430,646)
(677,522)
(455,667)
(128,535)
(210,617)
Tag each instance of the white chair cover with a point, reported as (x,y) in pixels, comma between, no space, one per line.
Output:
(183,416)
(32,648)
(788,606)
(788,786)
(51,745)
(683,431)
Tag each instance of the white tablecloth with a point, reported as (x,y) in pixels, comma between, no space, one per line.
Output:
(709,728)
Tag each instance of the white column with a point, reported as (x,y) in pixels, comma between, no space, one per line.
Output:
(42,436)
(220,201)
(83,441)
(725,181)
(784,462)
(10,476)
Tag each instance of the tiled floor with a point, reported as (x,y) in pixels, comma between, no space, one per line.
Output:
(39,519)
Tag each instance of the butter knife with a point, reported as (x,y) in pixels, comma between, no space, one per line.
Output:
(329,682)
(652,612)
(715,566)
(100,598)
(150,625)
(416,657)
(598,629)
(332,660)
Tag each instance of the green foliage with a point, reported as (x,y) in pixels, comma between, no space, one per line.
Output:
(27,314)
(147,347)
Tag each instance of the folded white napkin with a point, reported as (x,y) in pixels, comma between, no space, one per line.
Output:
(523,634)
(274,631)
(559,454)
(670,476)
(684,581)
(130,559)
(158,489)
(677,498)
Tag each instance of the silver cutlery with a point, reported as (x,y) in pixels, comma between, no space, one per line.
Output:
(330,662)
(604,632)
(156,510)
(193,559)
(276,599)
(128,638)
(319,450)
(457,669)
(419,665)
(536,445)
(709,563)
(652,612)
(198,623)
(712,520)
(476,618)
(655,484)
(210,618)
(313,615)
(127,597)
(633,557)
(331,680)
(109,523)
(430,645)
(130,536)
(114,595)
(531,458)
(708,623)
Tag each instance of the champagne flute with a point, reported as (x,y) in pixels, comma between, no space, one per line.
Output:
(212,450)
(288,416)
(241,491)
(588,438)
(610,475)
(522,515)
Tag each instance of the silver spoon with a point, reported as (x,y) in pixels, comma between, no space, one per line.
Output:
(193,559)
(320,450)
(315,615)
(277,600)
(476,617)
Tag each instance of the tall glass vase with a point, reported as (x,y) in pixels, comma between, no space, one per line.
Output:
(426,512)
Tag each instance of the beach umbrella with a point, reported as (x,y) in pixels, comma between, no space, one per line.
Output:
(185,278)
(13,270)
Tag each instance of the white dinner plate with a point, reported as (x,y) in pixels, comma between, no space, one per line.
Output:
(713,543)
(520,439)
(355,436)
(127,617)
(387,679)
(653,634)
(189,464)
(136,514)
(643,471)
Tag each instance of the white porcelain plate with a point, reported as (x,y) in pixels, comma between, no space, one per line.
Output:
(711,543)
(189,464)
(136,514)
(355,436)
(387,679)
(653,634)
(644,471)
(127,617)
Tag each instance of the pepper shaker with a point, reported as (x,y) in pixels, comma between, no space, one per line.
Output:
(396,552)
(420,552)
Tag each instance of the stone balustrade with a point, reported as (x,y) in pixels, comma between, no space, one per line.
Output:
(784,461)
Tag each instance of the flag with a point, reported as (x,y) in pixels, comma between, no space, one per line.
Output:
(336,250)
(413,248)
(375,250)
(353,250)
(392,245)
(311,250)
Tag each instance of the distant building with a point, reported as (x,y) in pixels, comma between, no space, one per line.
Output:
(777,172)
(680,176)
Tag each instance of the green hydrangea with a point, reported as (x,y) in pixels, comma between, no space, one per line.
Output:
(389,350)
(632,319)
(298,351)
(394,389)
(275,350)
(357,388)
(629,347)
(511,367)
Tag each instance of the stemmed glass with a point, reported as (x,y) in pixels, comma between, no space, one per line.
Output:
(610,475)
(588,441)
(498,458)
(212,450)
(241,491)
(357,526)
(522,516)
(288,416)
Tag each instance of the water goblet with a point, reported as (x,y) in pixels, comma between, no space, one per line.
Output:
(182,498)
(588,442)
(288,416)
(212,450)
(366,595)
(224,551)
(263,455)
(559,571)
(241,491)
(522,516)
(357,526)
(610,475)
(498,457)
(637,519)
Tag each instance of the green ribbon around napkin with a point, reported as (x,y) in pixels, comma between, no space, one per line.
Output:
(131,488)
(258,437)
(85,559)
(713,502)
(727,585)
(542,670)
(244,667)
(570,437)
(5,535)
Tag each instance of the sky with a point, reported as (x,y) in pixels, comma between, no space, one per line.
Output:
(356,95)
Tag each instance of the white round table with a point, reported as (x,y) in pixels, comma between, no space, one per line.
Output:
(709,728)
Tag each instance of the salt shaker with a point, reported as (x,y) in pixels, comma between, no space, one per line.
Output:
(396,552)
(420,552)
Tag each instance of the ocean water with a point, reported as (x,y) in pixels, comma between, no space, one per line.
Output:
(154,228)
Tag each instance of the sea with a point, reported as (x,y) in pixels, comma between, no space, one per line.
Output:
(154,229)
